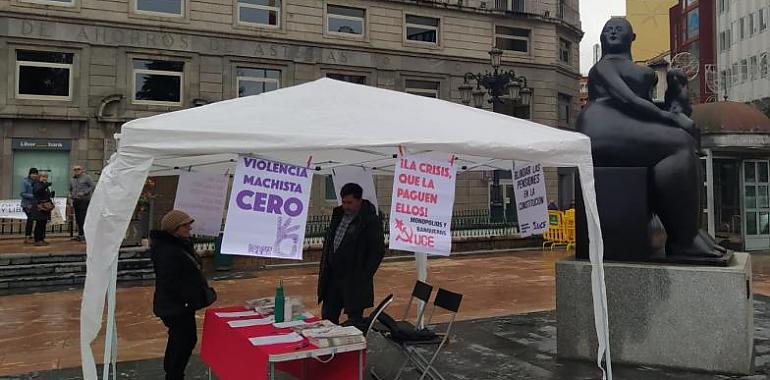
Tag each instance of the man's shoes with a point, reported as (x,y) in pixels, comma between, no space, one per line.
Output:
(28,240)
(79,238)
(41,243)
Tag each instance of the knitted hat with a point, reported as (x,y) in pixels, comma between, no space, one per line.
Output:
(174,219)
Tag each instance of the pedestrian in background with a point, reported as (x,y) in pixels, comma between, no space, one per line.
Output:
(81,187)
(180,289)
(27,202)
(41,212)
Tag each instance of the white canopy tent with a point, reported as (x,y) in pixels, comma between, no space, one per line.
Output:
(323,124)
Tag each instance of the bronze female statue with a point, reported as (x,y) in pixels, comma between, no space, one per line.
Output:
(628,130)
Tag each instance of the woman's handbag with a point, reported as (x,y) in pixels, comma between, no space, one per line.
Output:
(45,206)
(211,296)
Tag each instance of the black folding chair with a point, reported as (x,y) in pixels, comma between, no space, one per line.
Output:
(450,302)
(421,292)
(376,313)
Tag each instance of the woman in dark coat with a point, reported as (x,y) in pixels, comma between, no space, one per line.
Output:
(42,195)
(180,289)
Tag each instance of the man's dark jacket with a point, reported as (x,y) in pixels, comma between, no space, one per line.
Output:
(180,286)
(356,260)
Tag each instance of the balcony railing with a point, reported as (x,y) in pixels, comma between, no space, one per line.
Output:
(561,11)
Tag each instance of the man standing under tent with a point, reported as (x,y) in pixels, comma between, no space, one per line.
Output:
(353,248)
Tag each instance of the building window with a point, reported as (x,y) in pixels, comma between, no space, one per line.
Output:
(43,75)
(345,20)
(422,88)
(565,103)
(736,73)
(422,29)
(512,39)
(763,65)
(742,27)
(158,82)
(64,3)
(162,7)
(329,193)
(251,81)
(753,67)
(744,70)
(729,38)
(564,50)
(722,6)
(691,2)
(752,25)
(260,12)
(762,20)
(693,23)
(359,79)
(722,41)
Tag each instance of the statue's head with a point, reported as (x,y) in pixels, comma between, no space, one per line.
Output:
(617,36)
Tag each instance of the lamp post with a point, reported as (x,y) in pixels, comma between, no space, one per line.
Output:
(499,85)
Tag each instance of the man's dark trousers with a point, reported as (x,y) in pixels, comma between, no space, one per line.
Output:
(80,206)
(334,303)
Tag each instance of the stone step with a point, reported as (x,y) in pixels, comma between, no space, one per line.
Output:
(72,278)
(61,257)
(21,270)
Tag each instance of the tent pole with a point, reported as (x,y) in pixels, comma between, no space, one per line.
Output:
(110,343)
(421,261)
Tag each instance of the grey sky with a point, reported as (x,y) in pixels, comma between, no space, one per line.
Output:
(593,15)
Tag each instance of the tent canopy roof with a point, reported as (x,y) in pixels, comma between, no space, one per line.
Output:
(339,123)
(328,123)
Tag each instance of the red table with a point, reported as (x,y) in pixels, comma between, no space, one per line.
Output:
(229,354)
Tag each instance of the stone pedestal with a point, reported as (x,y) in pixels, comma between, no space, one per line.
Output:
(691,317)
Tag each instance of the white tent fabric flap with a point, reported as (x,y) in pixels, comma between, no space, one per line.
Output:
(324,123)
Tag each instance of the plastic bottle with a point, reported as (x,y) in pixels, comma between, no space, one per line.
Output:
(280,303)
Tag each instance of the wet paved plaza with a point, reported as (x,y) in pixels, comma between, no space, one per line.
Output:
(507,329)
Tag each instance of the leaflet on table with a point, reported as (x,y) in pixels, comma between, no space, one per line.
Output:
(276,339)
(251,322)
(237,314)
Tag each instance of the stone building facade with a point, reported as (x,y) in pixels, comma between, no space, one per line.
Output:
(75,70)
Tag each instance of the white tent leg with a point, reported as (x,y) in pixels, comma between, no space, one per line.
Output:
(111,339)
(421,261)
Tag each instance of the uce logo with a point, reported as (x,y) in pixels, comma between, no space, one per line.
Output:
(539,225)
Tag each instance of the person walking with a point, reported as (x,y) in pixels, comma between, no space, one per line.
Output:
(43,205)
(352,251)
(81,187)
(180,289)
(27,202)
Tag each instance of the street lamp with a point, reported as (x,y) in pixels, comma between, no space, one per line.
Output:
(498,84)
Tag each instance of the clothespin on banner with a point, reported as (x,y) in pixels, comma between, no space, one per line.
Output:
(309,161)
(452,159)
(401,150)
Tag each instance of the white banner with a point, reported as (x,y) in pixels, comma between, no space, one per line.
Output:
(11,209)
(267,213)
(531,203)
(358,175)
(202,195)
(421,206)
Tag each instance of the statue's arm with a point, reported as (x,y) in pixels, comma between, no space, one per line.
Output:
(617,88)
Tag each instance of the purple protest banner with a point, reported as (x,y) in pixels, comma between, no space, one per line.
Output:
(267,213)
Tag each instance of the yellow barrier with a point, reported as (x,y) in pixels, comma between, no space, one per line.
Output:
(561,229)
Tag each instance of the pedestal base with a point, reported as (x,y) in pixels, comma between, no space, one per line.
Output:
(680,316)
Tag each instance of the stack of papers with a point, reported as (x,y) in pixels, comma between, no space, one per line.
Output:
(276,339)
(251,322)
(238,314)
